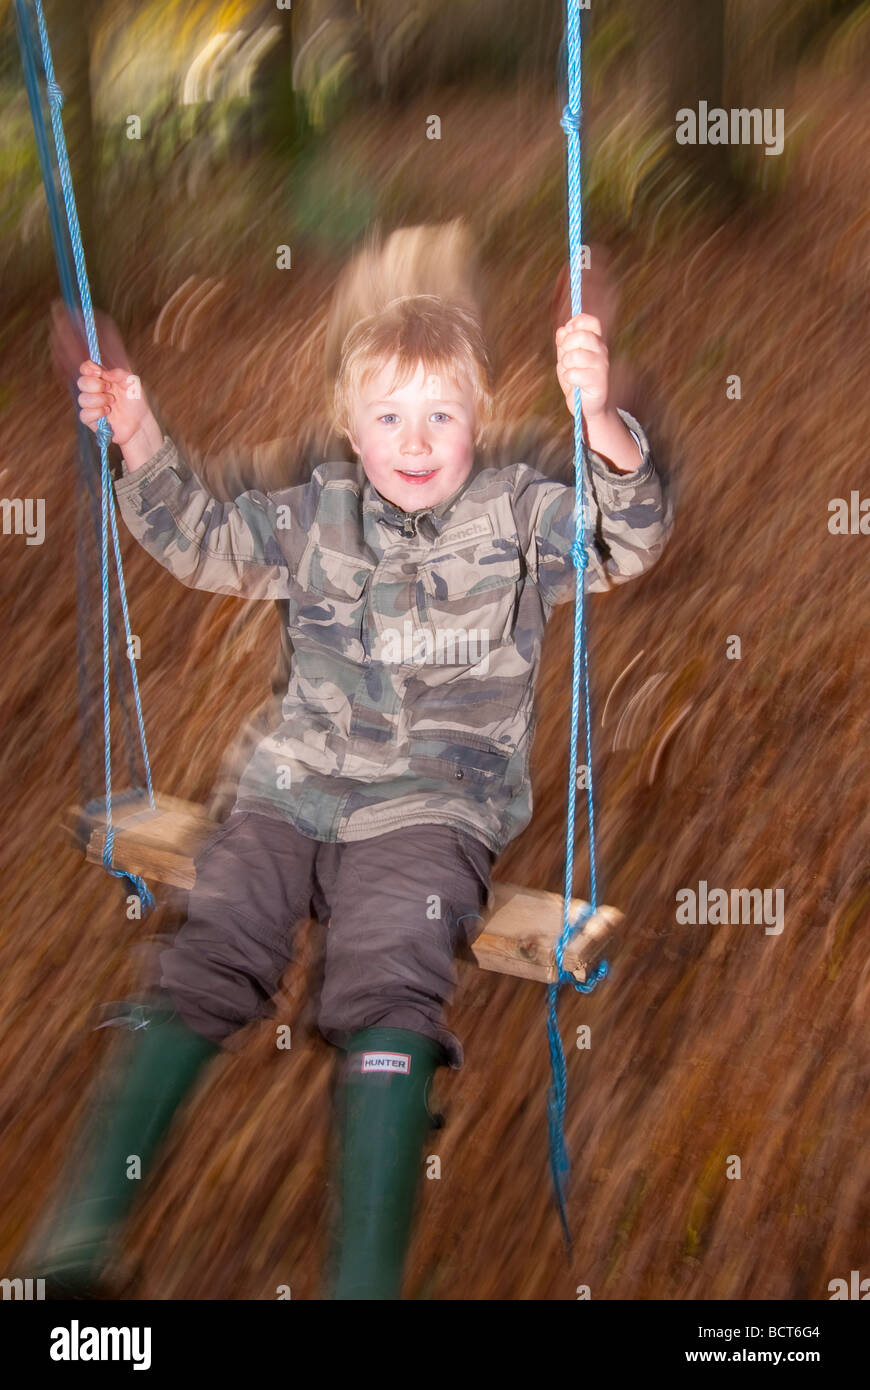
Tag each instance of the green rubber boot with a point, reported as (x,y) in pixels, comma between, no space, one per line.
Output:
(383,1117)
(127,1119)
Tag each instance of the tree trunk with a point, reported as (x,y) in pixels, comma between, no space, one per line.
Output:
(687,49)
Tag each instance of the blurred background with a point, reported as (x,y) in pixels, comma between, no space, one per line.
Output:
(260,128)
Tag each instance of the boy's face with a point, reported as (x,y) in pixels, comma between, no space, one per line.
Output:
(426,427)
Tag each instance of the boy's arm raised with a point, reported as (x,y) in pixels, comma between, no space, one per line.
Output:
(628,522)
(250,547)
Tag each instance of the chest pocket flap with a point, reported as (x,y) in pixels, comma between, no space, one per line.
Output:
(472,569)
(332,574)
(474,588)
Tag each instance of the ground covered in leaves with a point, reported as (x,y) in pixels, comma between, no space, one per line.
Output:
(707,1041)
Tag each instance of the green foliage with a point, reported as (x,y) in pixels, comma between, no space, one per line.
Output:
(609,42)
(848,47)
(328,199)
(347,56)
(626,159)
(324,70)
(765,177)
(800,30)
(436,42)
(24,233)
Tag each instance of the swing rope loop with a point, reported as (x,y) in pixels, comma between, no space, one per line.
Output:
(104,436)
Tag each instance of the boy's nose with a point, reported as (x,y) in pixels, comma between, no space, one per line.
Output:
(415,444)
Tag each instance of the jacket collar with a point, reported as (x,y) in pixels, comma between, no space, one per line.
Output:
(435,518)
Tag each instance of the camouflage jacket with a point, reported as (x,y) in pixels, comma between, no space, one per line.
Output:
(416,636)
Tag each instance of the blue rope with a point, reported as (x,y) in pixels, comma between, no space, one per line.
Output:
(104,435)
(66,271)
(559,1161)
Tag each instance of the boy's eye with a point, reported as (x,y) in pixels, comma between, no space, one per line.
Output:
(437,414)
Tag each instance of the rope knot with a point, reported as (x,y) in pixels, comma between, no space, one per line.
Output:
(104,432)
(601,971)
(570,121)
(579,555)
(55,95)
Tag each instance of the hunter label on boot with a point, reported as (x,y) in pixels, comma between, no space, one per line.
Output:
(385,1061)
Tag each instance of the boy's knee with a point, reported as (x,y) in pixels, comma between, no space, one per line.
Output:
(214,997)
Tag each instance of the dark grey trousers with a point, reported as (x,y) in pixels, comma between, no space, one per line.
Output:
(398,906)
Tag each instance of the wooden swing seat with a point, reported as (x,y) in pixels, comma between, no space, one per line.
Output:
(519,937)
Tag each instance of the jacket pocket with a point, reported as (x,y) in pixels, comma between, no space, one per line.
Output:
(471,598)
(332,610)
(466,761)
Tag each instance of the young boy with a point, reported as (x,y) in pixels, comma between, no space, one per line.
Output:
(418,588)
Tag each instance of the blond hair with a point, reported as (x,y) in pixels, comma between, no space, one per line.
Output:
(431,266)
(446,338)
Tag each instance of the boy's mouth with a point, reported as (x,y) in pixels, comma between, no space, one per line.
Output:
(417,475)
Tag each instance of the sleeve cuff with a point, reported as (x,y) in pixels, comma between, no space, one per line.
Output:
(644,469)
(130,480)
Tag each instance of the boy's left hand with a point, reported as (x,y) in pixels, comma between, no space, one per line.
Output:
(582,360)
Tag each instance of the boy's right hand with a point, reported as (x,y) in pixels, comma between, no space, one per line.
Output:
(113,393)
